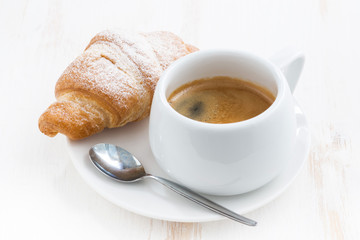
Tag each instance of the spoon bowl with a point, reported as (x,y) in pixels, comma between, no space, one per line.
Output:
(116,162)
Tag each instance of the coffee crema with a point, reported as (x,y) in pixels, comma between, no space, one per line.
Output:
(220,99)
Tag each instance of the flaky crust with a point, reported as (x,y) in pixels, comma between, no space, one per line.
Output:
(111,83)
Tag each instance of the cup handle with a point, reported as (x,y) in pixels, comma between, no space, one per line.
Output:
(291,62)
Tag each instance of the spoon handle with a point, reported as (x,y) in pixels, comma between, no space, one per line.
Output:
(197,198)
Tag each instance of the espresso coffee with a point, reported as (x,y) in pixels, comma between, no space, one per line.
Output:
(220,100)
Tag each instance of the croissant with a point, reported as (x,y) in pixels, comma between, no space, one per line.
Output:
(111,83)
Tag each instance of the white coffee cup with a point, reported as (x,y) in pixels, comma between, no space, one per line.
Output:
(231,158)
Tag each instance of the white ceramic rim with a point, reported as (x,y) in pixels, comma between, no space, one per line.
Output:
(276,74)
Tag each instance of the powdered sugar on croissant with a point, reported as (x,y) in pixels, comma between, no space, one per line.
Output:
(111,83)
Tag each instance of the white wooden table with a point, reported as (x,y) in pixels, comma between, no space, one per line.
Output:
(43,197)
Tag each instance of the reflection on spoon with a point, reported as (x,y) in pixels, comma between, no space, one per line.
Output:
(122,166)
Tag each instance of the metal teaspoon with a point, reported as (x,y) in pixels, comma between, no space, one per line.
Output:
(122,166)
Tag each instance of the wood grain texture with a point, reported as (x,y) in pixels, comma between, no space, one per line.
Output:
(43,197)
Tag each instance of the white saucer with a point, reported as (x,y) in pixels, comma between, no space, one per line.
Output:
(153,200)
